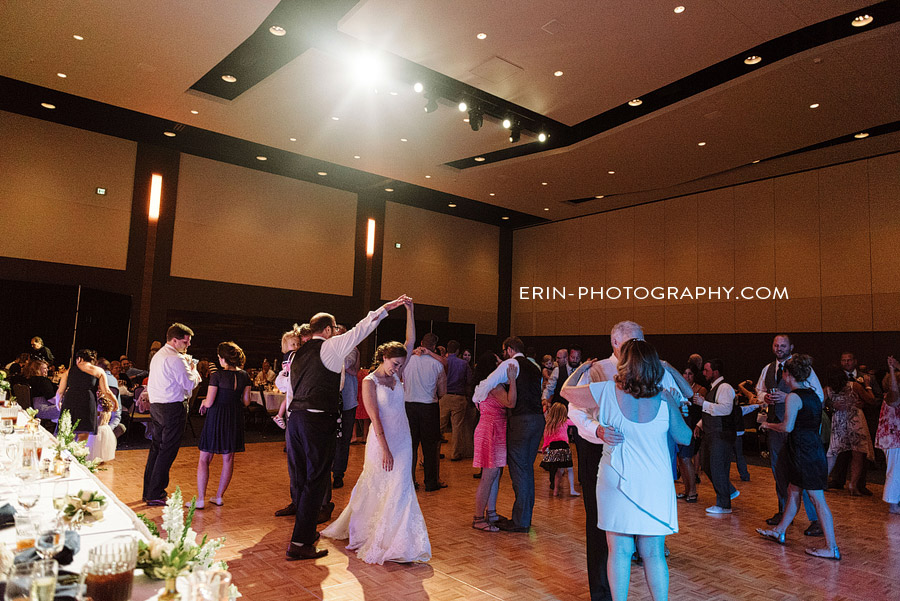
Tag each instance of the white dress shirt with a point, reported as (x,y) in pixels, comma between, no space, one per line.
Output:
(173,376)
(724,401)
(551,381)
(421,375)
(811,382)
(335,349)
(496,377)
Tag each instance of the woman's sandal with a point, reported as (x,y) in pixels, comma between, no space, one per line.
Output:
(774,535)
(479,523)
(825,553)
(690,498)
(217,501)
(680,495)
(494,517)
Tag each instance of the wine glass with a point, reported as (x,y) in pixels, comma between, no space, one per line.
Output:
(50,539)
(28,495)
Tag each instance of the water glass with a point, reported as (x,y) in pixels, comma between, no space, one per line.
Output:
(60,492)
(8,416)
(43,584)
(19,581)
(51,538)
(26,531)
(29,494)
(109,571)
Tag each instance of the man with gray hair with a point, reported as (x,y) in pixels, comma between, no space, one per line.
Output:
(594,436)
(424,382)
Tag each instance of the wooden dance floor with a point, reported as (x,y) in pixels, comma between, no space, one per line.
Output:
(713,558)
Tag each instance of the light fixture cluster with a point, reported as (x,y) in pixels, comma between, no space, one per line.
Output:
(477,111)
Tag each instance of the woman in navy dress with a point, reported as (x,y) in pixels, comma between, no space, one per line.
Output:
(805,454)
(223,430)
(77,394)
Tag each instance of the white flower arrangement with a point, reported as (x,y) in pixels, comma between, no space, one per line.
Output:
(179,552)
(66,443)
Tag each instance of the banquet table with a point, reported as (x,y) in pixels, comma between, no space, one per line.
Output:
(270,400)
(118,518)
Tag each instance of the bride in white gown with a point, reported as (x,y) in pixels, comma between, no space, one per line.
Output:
(383,520)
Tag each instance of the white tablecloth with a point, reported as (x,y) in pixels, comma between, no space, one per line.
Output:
(272,402)
(118,519)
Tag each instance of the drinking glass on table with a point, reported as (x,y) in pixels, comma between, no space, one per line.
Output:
(51,538)
(19,582)
(29,494)
(26,531)
(43,579)
(60,492)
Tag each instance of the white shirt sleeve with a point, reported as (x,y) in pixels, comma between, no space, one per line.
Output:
(336,348)
(498,376)
(724,402)
(586,421)
(551,384)
(761,390)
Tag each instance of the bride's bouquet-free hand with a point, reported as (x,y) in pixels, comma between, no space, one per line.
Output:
(179,552)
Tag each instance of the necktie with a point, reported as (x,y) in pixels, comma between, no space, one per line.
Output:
(778,373)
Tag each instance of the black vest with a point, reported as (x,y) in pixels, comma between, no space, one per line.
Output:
(726,425)
(561,378)
(528,389)
(775,413)
(314,385)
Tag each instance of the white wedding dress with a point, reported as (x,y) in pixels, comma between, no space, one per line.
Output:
(383,520)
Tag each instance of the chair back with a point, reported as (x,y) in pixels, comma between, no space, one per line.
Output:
(22,392)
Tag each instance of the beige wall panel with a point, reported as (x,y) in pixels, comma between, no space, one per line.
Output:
(593,322)
(754,208)
(884,203)
(49,174)
(230,221)
(545,323)
(457,269)
(754,316)
(681,319)
(682,242)
(652,318)
(616,314)
(798,315)
(650,231)
(568,322)
(523,323)
(847,313)
(715,266)
(526,250)
(797,253)
(716,318)
(844,223)
(619,254)
(592,241)
(886,312)
(754,266)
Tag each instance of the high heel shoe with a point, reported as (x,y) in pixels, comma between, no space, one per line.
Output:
(826,553)
(774,535)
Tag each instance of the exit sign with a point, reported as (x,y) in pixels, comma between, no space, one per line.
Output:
(101,191)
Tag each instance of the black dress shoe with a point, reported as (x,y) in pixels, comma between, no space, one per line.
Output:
(289,510)
(325,513)
(510,526)
(295,552)
(439,486)
(774,520)
(814,529)
(156,502)
(865,491)
(338,482)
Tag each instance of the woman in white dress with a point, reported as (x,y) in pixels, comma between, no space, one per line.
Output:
(635,491)
(383,520)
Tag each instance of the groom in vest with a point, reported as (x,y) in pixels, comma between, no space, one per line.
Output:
(313,425)
(719,433)
(771,390)
(524,429)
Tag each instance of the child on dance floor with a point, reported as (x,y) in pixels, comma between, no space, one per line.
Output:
(291,340)
(557,454)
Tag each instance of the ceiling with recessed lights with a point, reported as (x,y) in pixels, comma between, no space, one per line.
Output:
(640,101)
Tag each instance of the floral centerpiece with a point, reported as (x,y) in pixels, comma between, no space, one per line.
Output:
(66,443)
(5,386)
(83,508)
(180,551)
(33,422)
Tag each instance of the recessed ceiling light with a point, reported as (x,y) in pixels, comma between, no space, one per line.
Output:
(277,30)
(701,143)
(323,173)
(479,159)
(169,134)
(481,36)
(78,37)
(427,177)
(756,161)
(388,189)
(229,78)
(355,156)
(292,139)
(466,120)
(543,183)
(404,140)
(611,172)
(335,118)
(507,123)
(546,208)
(862,20)
(193,112)
(262,158)
(861,135)
(63,75)
(452,205)
(492,194)
(505,218)
(600,196)
(679,10)
(418,87)
(635,102)
(558,73)
(463,107)
(542,137)
(47,105)
(815,105)
(752,60)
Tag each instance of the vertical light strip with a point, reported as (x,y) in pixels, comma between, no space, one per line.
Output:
(370,239)
(155,193)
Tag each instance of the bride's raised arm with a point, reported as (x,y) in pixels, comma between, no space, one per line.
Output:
(410,327)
